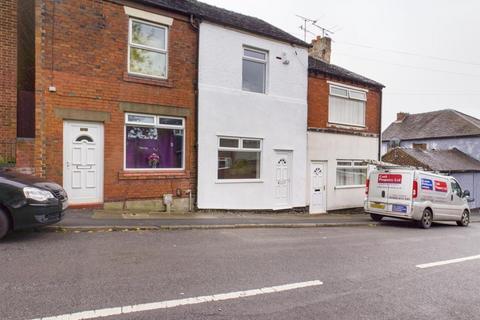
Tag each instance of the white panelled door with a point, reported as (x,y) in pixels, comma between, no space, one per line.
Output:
(83,162)
(282,183)
(318,193)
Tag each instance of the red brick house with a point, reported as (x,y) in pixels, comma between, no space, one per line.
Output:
(114,105)
(344,126)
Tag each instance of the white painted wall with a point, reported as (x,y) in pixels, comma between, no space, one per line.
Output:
(331,147)
(278,117)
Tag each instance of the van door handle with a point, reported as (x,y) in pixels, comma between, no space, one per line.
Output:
(451,197)
(383,194)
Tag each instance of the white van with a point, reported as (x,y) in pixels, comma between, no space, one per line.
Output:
(416,195)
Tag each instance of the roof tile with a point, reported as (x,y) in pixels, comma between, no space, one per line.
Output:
(443,160)
(437,124)
(319,66)
(227,18)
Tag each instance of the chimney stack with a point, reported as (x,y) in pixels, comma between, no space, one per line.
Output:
(401,116)
(420,146)
(321,49)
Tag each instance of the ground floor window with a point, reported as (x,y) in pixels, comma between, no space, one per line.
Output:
(351,173)
(239,158)
(154,142)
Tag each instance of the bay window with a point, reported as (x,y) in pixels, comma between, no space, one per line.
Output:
(351,173)
(239,158)
(154,142)
(347,106)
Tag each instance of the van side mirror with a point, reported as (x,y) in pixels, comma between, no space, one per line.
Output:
(466,194)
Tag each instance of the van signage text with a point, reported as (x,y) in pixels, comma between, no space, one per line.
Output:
(389,178)
(427,184)
(441,186)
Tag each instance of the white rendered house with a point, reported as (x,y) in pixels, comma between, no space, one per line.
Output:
(252,118)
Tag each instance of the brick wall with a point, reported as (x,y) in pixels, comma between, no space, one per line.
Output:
(25,147)
(8,77)
(318,92)
(84,55)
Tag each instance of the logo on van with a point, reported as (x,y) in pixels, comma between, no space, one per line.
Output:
(441,186)
(427,184)
(389,178)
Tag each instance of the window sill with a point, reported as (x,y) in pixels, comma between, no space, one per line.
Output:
(153,175)
(147,80)
(346,126)
(239,181)
(350,187)
(254,92)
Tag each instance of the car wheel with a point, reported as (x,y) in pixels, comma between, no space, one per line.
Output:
(4,224)
(427,219)
(465,219)
(376,217)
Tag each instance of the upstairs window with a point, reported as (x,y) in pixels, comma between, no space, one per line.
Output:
(254,70)
(147,49)
(347,106)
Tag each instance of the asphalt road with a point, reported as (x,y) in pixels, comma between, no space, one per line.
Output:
(367,273)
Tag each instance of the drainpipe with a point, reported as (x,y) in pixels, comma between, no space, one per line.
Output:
(196,26)
(380,126)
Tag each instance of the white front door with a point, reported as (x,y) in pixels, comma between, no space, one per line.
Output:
(282,183)
(318,192)
(83,162)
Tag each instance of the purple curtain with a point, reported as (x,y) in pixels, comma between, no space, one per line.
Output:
(143,142)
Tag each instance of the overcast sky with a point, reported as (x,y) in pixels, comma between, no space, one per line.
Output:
(426,52)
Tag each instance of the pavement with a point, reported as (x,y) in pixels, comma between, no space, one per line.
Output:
(366,273)
(95,220)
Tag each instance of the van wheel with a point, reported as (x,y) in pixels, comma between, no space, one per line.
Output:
(376,217)
(465,219)
(427,219)
(4,224)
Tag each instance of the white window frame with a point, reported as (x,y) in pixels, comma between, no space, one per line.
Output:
(149,48)
(351,166)
(349,90)
(242,149)
(264,61)
(155,125)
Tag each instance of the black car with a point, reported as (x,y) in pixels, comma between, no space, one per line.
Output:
(28,202)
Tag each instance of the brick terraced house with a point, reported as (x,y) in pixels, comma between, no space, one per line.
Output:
(115,100)
(344,126)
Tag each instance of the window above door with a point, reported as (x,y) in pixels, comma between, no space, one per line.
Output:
(148,49)
(347,106)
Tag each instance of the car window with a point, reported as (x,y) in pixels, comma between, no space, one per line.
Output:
(456,188)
